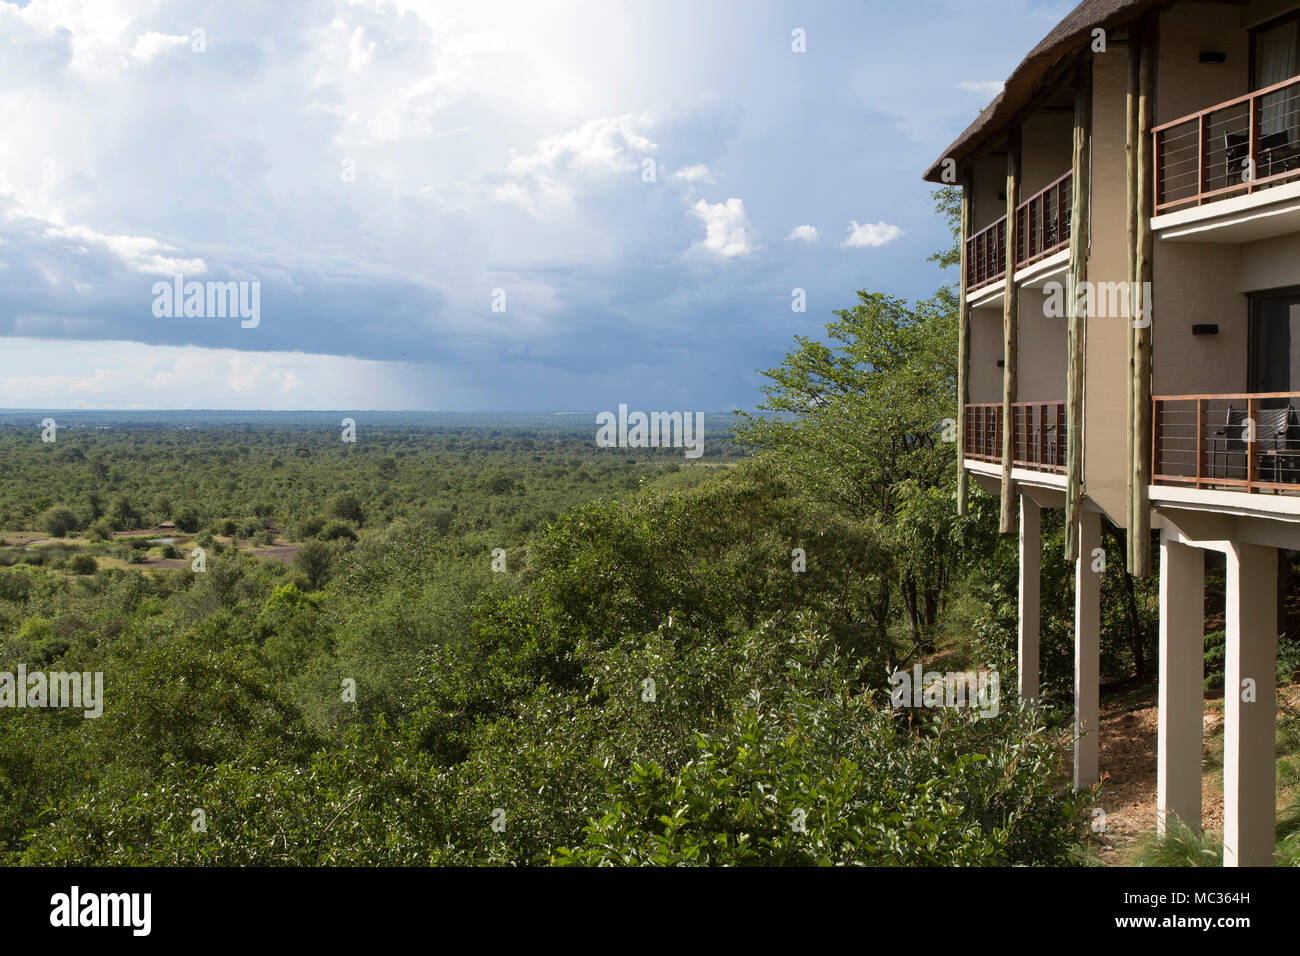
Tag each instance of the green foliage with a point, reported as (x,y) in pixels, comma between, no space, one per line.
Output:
(676,658)
(57,522)
(1179,846)
(314,559)
(808,772)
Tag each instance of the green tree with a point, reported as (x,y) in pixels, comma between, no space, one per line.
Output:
(347,507)
(314,559)
(57,522)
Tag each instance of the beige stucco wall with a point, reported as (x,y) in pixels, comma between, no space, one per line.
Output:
(1269,264)
(1260,11)
(1046,150)
(1106,356)
(1204,282)
(985,351)
(1184,84)
(1041,372)
(1197,283)
(990,180)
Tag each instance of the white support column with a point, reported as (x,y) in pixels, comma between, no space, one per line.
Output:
(1031,550)
(1087,644)
(1182,677)
(1249,726)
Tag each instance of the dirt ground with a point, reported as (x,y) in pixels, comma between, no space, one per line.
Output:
(1128,768)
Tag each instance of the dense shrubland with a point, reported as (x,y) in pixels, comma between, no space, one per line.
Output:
(677,663)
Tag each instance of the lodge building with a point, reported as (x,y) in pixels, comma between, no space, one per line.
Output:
(1153,147)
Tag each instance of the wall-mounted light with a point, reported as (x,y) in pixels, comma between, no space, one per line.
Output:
(1205,330)
(1213,56)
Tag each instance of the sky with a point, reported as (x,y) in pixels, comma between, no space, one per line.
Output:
(489,205)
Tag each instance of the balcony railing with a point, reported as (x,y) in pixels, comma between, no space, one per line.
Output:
(1248,442)
(1038,435)
(1043,222)
(986,256)
(1232,149)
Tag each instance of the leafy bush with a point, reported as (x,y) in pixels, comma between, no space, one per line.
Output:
(57,522)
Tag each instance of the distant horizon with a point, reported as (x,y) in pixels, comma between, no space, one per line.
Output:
(19,409)
(424,205)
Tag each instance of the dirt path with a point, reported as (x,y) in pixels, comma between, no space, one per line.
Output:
(1129,727)
(1128,766)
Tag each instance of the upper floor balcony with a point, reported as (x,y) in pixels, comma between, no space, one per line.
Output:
(1043,228)
(1239,150)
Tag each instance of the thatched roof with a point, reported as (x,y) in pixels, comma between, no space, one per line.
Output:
(1071,35)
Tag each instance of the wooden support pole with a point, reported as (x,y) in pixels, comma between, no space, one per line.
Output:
(1010,335)
(1143,324)
(1131,188)
(963,340)
(1079,238)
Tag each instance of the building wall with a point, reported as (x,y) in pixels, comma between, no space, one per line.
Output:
(1184,84)
(1046,150)
(1043,342)
(1205,282)
(1269,264)
(990,175)
(1105,463)
(1197,283)
(985,352)
(1260,11)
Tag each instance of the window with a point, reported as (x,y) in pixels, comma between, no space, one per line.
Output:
(1275,341)
(1275,58)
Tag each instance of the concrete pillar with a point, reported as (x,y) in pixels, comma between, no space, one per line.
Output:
(1031,550)
(1087,644)
(1182,679)
(1249,727)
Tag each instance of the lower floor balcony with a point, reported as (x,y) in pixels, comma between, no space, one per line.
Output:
(1037,431)
(1248,442)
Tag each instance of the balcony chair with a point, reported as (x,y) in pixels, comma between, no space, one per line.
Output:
(1228,440)
(1279,154)
(1279,445)
(1236,148)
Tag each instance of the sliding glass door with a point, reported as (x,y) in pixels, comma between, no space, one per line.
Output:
(1275,341)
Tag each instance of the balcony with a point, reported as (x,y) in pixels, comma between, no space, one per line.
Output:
(1038,431)
(1043,224)
(1242,442)
(986,256)
(1233,149)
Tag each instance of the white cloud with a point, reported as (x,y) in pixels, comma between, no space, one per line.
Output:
(698,173)
(804,234)
(549,175)
(139,253)
(603,144)
(727,231)
(871,235)
(149,46)
(988,88)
